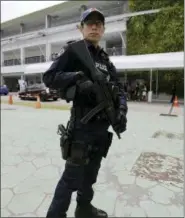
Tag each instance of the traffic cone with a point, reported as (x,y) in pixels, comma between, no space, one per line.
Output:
(10,100)
(38,104)
(175,102)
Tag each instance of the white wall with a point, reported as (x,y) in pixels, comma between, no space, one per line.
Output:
(56,48)
(34,52)
(12,55)
(103,44)
(13,69)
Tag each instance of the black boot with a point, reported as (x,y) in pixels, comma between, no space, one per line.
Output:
(89,211)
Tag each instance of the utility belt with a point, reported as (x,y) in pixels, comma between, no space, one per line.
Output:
(80,152)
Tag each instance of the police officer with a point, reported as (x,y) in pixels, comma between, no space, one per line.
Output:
(92,140)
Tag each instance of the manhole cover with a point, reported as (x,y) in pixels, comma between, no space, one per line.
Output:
(156,166)
(168,135)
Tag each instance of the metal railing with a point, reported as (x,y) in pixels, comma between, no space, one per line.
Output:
(35,59)
(12,62)
(113,51)
(27,60)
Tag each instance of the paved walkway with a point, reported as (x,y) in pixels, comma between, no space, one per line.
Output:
(142,176)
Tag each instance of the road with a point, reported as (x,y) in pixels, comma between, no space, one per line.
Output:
(137,106)
(142,176)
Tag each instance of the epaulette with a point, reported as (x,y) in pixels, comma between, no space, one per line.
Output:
(62,51)
(104,54)
(71,41)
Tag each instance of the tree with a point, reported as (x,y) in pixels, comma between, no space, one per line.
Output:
(156,33)
(140,5)
(159,32)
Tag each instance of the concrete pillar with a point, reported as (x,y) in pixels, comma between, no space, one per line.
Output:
(22,27)
(125,77)
(41,77)
(150,92)
(47,21)
(22,55)
(2,80)
(48,52)
(103,44)
(2,33)
(2,58)
(126,6)
(124,43)
(83,8)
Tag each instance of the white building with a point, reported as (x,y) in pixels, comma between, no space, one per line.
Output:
(37,37)
(29,43)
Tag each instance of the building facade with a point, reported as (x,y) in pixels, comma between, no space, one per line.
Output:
(39,36)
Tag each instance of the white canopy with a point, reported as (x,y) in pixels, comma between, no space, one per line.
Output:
(163,61)
(37,68)
(160,61)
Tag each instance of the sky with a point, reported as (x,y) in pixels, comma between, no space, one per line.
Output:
(13,9)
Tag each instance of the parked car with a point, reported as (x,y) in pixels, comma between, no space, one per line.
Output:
(4,90)
(32,91)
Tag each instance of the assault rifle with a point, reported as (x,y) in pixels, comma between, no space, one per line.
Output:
(105,96)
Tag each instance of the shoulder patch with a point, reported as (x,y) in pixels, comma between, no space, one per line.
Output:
(64,48)
(71,41)
(61,51)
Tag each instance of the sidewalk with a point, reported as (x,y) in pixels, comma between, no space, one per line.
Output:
(142,176)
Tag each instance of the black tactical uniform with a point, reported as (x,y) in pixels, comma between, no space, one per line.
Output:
(93,137)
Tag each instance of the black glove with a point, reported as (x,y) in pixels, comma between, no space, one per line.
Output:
(85,85)
(121,120)
(100,76)
(78,76)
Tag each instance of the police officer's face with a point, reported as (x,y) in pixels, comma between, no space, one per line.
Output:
(93,28)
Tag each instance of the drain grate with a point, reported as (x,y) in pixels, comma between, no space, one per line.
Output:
(168,135)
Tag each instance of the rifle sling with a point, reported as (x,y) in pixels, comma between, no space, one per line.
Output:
(93,112)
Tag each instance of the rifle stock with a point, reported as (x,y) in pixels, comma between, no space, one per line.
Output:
(104,97)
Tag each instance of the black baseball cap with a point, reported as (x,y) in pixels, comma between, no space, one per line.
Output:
(89,11)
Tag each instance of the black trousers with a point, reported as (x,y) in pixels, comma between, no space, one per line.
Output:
(77,177)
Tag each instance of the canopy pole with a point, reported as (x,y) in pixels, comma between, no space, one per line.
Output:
(125,76)
(150,79)
(150,92)
(41,76)
(157,83)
